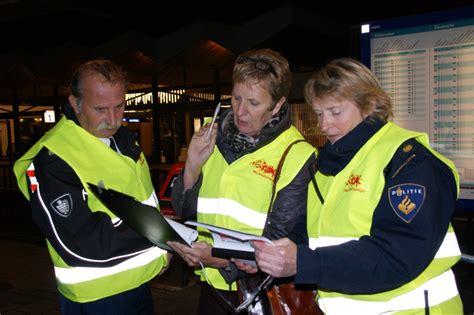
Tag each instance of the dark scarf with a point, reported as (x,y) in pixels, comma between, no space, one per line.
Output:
(332,158)
(238,142)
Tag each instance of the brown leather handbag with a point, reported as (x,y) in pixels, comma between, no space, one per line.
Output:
(285,299)
(258,298)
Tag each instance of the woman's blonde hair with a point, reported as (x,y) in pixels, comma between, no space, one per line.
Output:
(346,78)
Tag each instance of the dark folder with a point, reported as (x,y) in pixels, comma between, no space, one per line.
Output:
(145,220)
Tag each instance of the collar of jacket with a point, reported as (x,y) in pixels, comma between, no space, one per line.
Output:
(124,138)
(332,158)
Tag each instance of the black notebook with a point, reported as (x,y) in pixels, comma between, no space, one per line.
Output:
(145,220)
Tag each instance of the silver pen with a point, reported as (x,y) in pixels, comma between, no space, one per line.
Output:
(216,111)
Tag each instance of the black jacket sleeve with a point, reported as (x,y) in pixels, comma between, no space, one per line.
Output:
(81,237)
(288,216)
(396,251)
(185,202)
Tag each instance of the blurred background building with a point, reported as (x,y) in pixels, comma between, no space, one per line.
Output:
(179,58)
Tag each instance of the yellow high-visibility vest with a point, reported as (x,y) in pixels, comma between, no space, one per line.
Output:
(347,215)
(81,150)
(237,195)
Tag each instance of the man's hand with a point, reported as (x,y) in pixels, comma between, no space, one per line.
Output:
(279,259)
(199,252)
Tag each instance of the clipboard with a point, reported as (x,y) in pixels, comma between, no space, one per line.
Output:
(145,220)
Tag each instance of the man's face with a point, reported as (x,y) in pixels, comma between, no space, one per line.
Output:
(102,105)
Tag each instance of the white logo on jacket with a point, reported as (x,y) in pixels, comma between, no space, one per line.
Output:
(62,205)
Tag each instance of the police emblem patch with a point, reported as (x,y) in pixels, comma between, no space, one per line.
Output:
(406,200)
(62,205)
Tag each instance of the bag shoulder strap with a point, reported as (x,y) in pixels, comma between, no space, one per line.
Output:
(312,173)
(278,170)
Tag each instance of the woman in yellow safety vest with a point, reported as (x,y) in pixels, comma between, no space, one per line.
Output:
(228,177)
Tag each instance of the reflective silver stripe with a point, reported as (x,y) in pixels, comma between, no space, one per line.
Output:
(152,200)
(115,220)
(440,289)
(81,274)
(232,209)
(313,243)
(449,247)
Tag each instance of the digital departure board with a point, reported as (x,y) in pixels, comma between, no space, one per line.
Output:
(426,64)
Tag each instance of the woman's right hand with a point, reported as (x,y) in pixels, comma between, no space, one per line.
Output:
(199,151)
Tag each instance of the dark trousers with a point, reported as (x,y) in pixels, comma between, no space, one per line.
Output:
(211,303)
(137,301)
